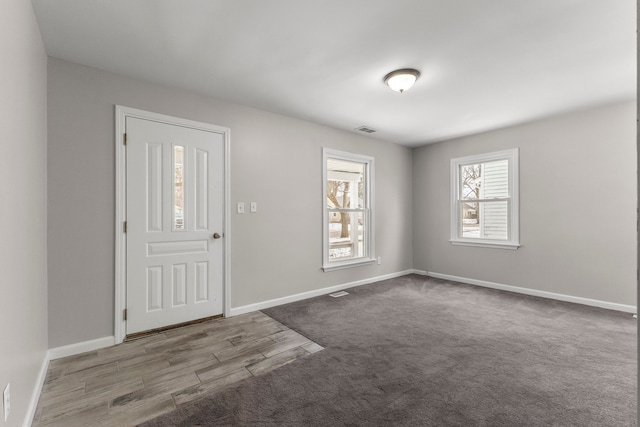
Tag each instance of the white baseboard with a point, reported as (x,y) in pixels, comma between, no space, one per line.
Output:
(57,353)
(35,395)
(81,347)
(533,292)
(310,294)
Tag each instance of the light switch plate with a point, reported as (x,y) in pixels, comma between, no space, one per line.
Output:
(254,207)
(240,207)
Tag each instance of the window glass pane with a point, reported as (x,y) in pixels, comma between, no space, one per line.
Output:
(495,179)
(346,235)
(470,224)
(345,184)
(485,220)
(470,181)
(178,187)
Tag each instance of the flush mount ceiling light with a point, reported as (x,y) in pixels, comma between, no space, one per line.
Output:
(401,80)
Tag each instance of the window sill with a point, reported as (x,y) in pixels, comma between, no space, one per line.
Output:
(487,244)
(348,264)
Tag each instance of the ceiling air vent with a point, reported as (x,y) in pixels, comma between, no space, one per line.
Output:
(366,129)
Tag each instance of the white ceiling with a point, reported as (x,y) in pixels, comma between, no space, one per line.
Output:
(485,64)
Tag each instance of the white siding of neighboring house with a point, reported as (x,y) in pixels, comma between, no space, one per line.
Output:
(494,215)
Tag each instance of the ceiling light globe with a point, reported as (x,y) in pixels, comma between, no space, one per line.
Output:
(401,80)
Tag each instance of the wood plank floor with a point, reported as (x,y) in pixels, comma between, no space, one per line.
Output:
(127,384)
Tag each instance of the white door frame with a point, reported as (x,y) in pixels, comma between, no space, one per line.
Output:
(121,209)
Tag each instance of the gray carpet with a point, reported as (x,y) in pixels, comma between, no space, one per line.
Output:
(418,351)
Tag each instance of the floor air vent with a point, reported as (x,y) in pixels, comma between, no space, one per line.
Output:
(339,294)
(366,129)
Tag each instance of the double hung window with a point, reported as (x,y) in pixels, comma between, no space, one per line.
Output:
(484,200)
(348,216)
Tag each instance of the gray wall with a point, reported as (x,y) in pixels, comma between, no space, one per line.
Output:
(23,258)
(275,161)
(577,206)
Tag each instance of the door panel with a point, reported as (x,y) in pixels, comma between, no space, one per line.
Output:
(175,203)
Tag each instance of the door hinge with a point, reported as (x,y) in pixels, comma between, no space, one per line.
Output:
(124,314)
(125,139)
(124,226)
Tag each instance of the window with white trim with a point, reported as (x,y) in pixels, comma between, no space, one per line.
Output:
(484,200)
(347,197)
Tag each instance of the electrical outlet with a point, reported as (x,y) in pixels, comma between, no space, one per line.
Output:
(379,260)
(6,398)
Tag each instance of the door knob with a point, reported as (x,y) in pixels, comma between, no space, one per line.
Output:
(216,236)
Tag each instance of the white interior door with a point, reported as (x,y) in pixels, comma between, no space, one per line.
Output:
(175,217)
